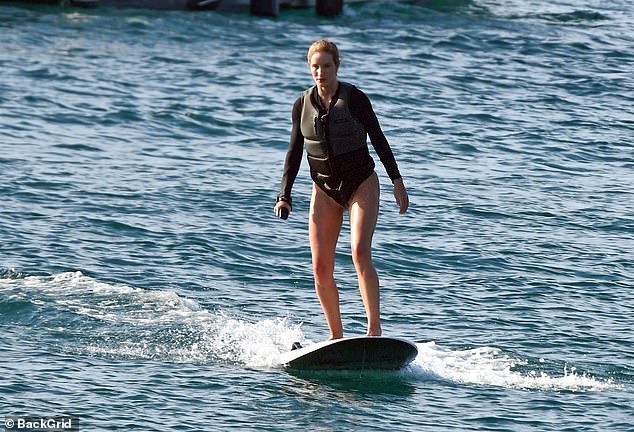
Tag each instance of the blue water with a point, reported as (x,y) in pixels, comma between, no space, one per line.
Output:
(146,285)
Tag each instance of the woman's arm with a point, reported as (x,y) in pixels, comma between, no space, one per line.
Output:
(294,155)
(361,108)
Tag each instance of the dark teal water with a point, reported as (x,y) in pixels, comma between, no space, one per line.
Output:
(146,285)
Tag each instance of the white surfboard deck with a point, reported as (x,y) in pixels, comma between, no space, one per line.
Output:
(354,353)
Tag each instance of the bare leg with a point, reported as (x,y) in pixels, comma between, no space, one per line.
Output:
(364,210)
(323,230)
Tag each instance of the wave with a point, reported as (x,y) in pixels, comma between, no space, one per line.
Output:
(490,366)
(87,317)
(83,316)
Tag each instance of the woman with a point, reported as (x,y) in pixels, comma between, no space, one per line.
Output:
(333,119)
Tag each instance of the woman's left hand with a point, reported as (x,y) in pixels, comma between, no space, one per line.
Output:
(400,193)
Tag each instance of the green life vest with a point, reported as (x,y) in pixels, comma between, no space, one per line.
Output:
(336,142)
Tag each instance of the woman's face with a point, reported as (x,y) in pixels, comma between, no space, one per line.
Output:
(323,69)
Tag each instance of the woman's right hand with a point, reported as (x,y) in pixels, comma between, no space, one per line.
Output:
(282,209)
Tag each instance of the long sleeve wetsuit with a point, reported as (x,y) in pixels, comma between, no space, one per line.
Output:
(361,109)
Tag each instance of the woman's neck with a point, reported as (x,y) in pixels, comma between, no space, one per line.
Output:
(326,93)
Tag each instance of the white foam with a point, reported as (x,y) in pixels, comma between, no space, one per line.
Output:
(157,324)
(489,366)
(256,344)
(163,325)
(84,295)
(213,338)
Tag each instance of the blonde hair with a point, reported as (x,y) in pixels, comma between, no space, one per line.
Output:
(325,46)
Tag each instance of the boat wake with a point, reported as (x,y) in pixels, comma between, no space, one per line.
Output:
(490,366)
(79,315)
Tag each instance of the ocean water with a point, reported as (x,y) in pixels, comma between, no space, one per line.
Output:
(146,285)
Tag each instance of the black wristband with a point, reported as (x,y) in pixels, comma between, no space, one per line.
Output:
(286,199)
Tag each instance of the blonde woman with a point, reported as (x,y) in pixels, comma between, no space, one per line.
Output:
(332,120)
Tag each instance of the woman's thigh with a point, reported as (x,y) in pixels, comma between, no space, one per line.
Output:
(364,211)
(324,226)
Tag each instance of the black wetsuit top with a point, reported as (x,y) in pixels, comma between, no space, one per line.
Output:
(360,108)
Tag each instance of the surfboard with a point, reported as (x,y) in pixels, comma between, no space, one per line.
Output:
(354,353)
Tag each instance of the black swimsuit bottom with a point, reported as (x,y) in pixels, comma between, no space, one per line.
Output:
(341,190)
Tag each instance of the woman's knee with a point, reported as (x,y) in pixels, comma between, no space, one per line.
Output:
(323,270)
(361,255)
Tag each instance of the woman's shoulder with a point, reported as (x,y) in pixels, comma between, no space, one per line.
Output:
(356,94)
(298,106)
(305,93)
(351,87)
